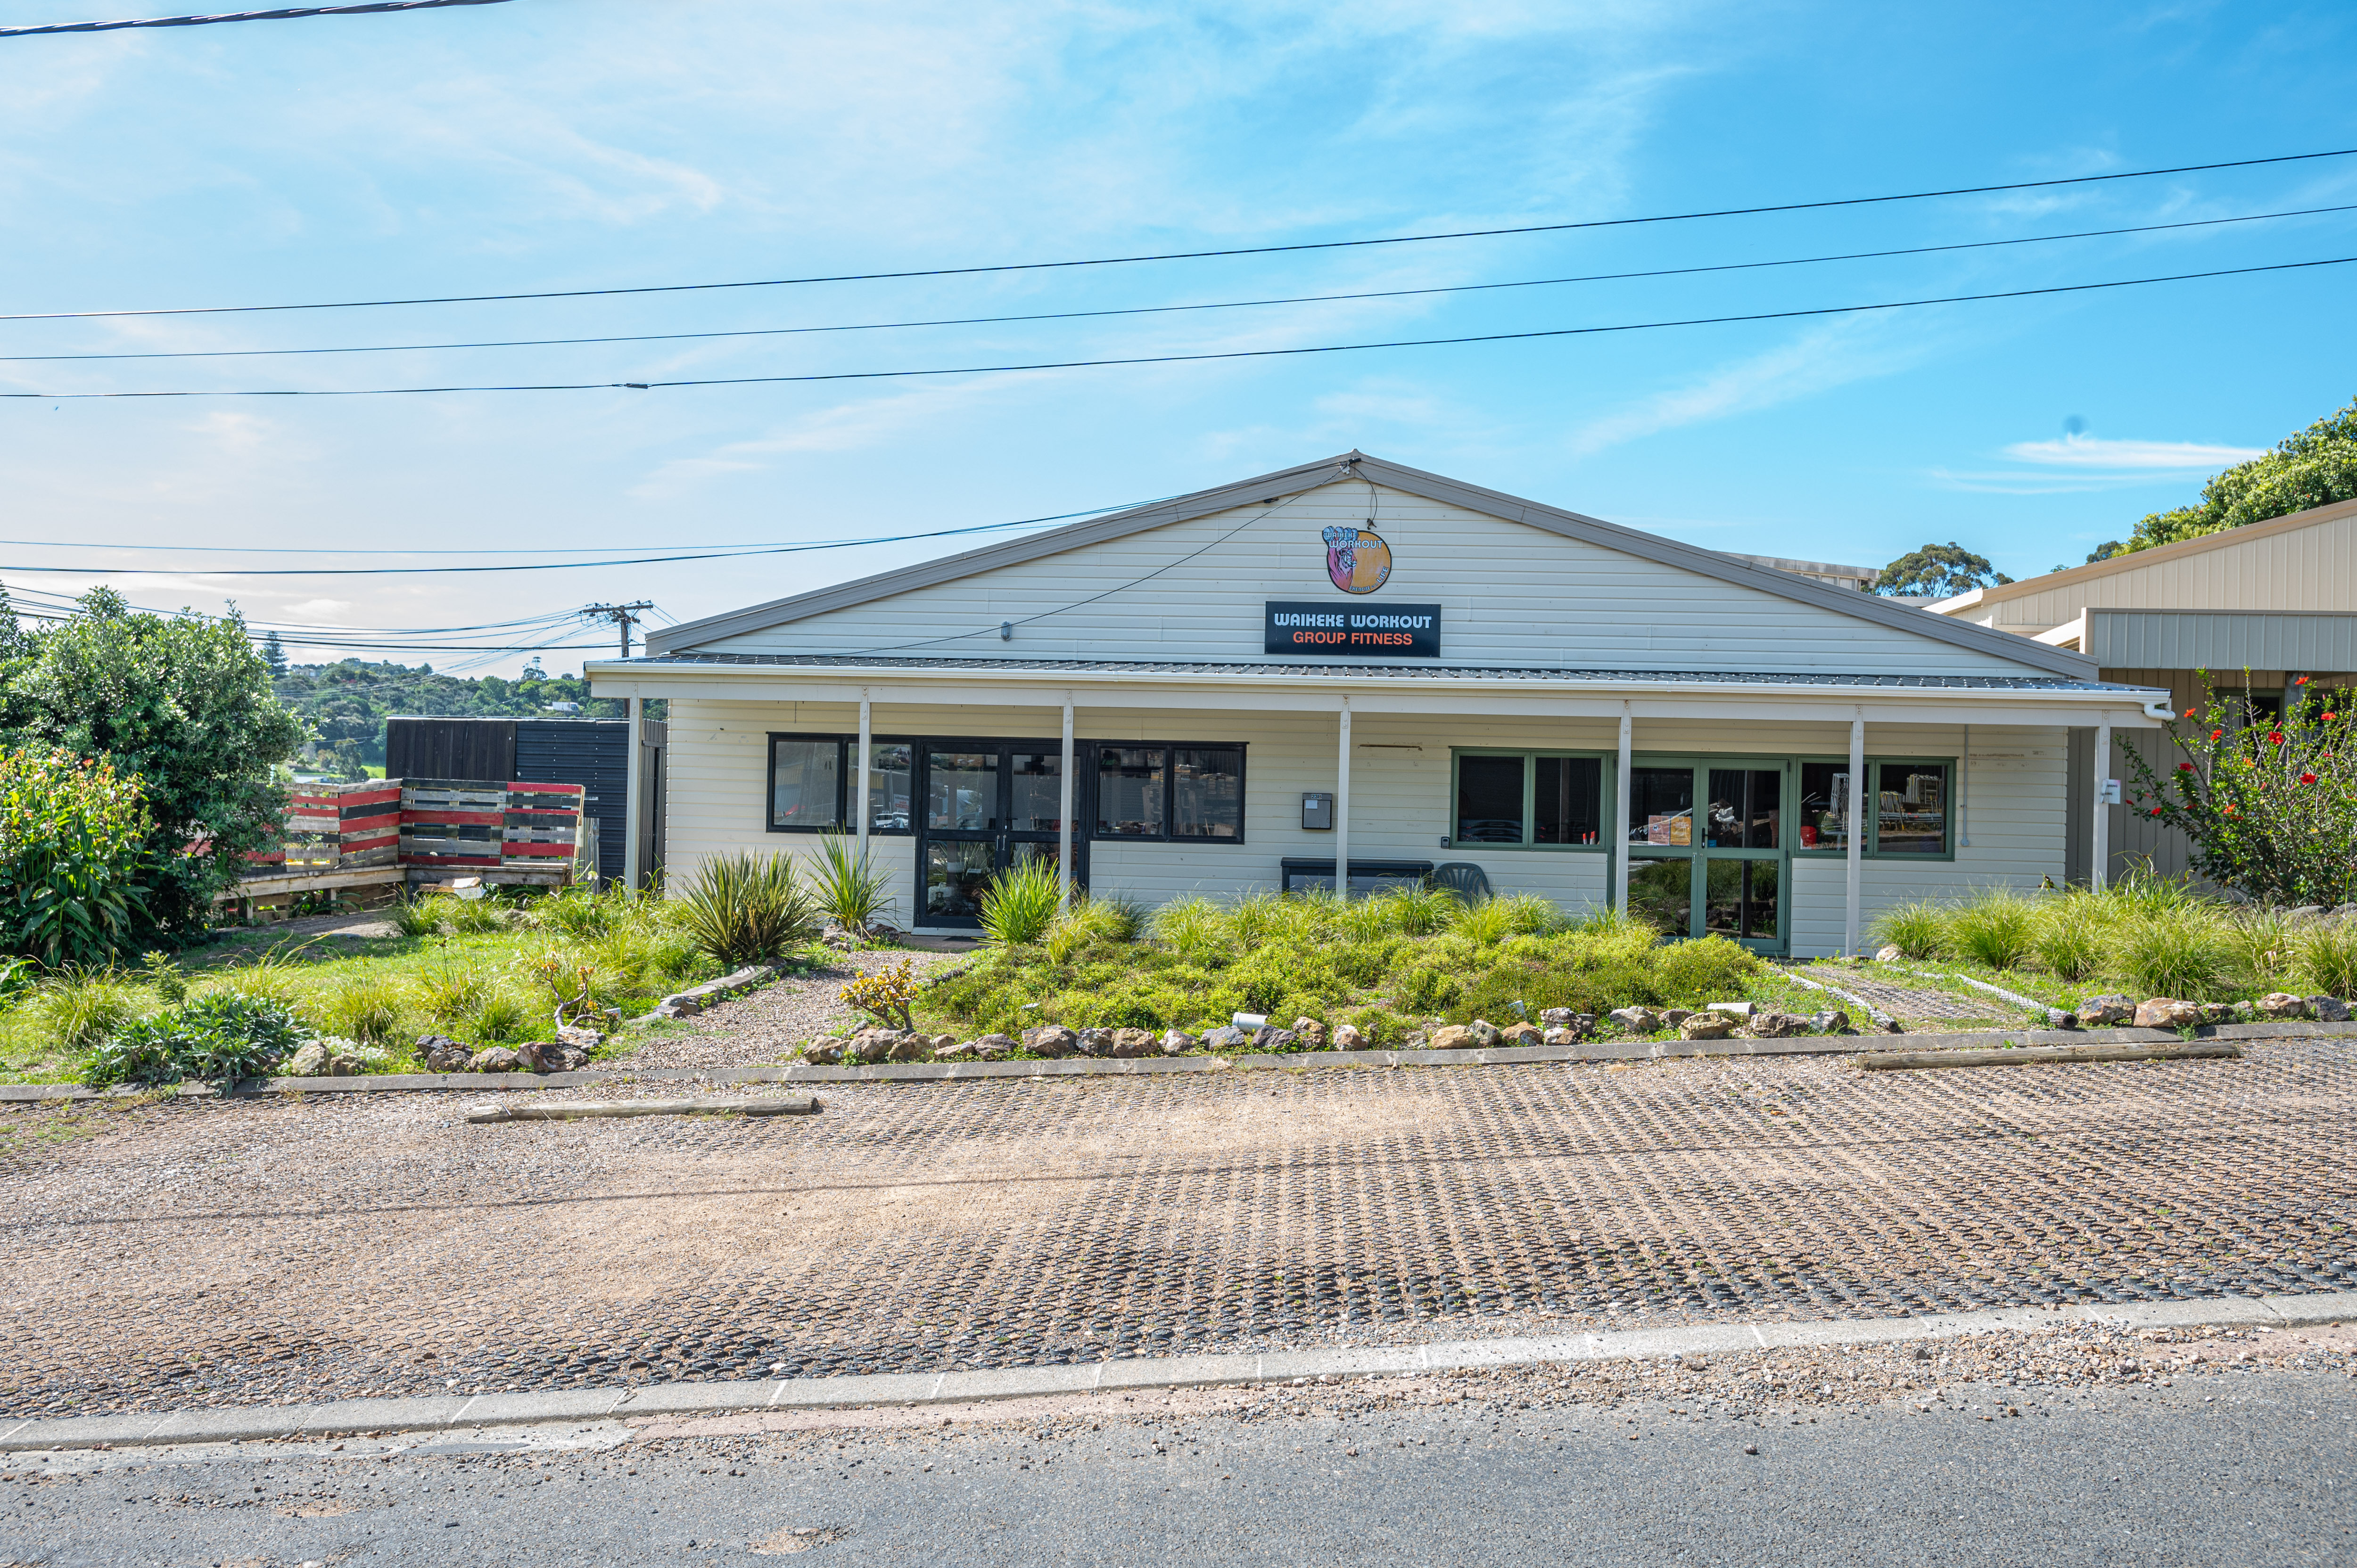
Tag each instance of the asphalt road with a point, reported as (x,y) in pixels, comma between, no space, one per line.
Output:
(2216,1469)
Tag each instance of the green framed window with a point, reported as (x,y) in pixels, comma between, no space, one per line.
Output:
(1910,812)
(1527,799)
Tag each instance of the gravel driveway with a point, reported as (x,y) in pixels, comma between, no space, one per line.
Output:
(254,1250)
(762,1027)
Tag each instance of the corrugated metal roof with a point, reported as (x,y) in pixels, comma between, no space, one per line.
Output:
(1364,672)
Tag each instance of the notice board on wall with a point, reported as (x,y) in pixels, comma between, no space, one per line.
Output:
(1339,631)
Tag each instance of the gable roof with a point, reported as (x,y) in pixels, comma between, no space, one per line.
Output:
(1357,464)
(2137,559)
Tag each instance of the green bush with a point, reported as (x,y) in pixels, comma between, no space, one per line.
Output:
(474,917)
(367,1009)
(2325,959)
(2178,953)
(219,1038)
(1021,903)
(76,1009)
(2067,936)
(72,843)
(418,917)
(848,884)
(745,909)
(1918,930)
(1996,928)
(2262,947)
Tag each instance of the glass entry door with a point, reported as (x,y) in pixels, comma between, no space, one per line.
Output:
(1706,850)
(988,805)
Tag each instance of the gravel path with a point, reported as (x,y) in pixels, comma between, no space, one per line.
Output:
(252,1252)
(751,1030)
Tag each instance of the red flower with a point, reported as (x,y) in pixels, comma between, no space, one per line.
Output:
(2330,716)
(2275,737)
(2217,735)
(2301,681)
(2308,778)
(2155,810)
(2185,767)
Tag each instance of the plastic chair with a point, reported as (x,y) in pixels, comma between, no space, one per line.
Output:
(1462,878)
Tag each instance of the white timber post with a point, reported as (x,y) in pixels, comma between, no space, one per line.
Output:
(2099,862)
(1342,809)
(1854,833)
(633,792)
(859,778)
(1064,814)
(1619,822)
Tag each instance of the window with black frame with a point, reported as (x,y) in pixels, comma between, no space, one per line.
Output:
(1169,793)
(1528,798)
(811,788)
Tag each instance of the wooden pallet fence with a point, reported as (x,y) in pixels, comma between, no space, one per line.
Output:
(398,822)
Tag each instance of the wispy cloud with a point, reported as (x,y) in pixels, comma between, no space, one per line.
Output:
(2096,452)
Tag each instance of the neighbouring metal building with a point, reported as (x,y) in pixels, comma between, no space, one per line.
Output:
(592,753)
(1357,662)
(2239,615)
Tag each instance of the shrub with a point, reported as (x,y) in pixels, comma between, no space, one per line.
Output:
(1484,924)
(1995,929)
(743,909)
(1021,903)
(2262,946)
(848,884)
(2325,958)
(496,1018)
(886,996)
(2172,953)
(418,917)
(451,993)
(474,917)
(72,837)
(2067,936)
(1712,969)
(1191,925)
(367,1009)
(219,1038)
(163,976)
(1918,930)
(580,912)
(1418,911)
(76,1009)
(1531,915)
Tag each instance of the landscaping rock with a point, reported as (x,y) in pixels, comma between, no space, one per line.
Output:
(1227,1038)
(1636,1020)
(1312,1033)
(1521,1035)
(2329,1009)
(496,1059)
(1558,1017)
(1484,1033)
(1705,1026)
(1732,1009)
(1889,955)
(679,1007)
(2281,1005)
(2167,1013)
(1178,1042)
(956,1050)
(870,1046)
(1093,1043)
(994,1047)
(1131,1043)
(826,1051)
(1673,1016)
(580,1039)
(910,1048)
(1267,1038)
(309,1063)
(1832,1021)
(2105,1011)
(1778,1025)
(343,1064)
(2305,912)
(2217,1012)
(441,1054)
(2343,913)
(1886,1027)
(1452,1037)
(1562,1034)
(1347,1037)
(1051,1040)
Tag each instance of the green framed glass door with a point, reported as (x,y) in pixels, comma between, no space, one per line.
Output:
(1706,847)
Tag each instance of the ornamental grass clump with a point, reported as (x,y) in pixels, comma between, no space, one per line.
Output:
(2271,809)
(367,1008)
(849,887)
(219,1038)
(2324,958)
(1998,928)
(744,908)
(2066,934)
(78,1008)
(1021,903)
(2180,952)
(1918,929)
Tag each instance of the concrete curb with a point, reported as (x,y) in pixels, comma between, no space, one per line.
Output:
(943,1072)
(457,1411)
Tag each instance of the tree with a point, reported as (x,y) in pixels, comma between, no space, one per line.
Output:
(274,655)
(2271,807)
(2310,468)
(182,704)
(1938,572)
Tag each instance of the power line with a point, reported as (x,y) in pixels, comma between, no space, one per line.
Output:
(1124,360)
(1156,309)
(284,13)
(1203,255)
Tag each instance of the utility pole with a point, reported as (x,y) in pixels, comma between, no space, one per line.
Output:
(624,617)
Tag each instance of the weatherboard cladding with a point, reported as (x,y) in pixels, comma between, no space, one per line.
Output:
(1399,796)
(2220,640)
(1520,584)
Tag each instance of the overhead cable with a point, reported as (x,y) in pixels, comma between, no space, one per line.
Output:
(1306,350)
(1203,255)
(1157,309)
(284,13)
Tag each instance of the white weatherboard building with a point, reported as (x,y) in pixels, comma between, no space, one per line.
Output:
(1357,661)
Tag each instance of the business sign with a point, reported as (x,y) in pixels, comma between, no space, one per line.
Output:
(1349,631)
(1357,559)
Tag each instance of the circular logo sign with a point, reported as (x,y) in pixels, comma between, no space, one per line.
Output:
(1357,559)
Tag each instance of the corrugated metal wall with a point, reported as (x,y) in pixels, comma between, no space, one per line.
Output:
(594,754)
(451,748)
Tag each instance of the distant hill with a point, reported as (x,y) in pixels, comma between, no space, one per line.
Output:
(346,703)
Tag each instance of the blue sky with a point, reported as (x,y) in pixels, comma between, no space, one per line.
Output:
(586,144)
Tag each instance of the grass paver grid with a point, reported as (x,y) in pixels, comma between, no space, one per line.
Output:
(251,1252)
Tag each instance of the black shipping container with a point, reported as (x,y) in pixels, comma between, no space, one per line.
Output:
(592,753)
